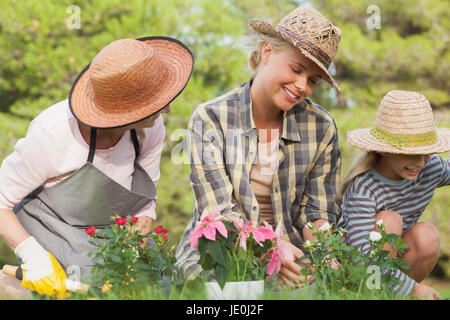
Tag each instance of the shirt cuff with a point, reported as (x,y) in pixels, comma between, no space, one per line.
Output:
(406,284)
(148,211)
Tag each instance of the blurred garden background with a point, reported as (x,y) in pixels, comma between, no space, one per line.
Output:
(385,45)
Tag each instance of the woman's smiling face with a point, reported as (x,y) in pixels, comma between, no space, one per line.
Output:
(289,77)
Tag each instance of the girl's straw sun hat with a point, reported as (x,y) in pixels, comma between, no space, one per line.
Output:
(130,80)
(404,125)
(308,30)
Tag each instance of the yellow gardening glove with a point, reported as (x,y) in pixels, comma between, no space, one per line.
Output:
(41,271)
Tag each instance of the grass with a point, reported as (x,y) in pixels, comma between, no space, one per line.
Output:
(195,290)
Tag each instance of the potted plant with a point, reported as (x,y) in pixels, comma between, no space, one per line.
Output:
(239,254)
(356,271)
(128,261)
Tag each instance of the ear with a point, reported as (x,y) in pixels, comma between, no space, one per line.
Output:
(265,52)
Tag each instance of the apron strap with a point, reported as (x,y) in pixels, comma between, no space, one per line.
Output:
(135,142)
(93,141)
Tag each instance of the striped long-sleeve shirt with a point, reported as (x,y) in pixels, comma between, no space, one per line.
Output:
(223,141)
(371,193)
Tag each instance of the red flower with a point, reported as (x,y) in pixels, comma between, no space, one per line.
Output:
(158,229)
(134,219)
(164,237)
(165,231)
(120,221)
(90,230)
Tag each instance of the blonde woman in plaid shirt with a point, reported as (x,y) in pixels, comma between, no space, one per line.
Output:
(265,149)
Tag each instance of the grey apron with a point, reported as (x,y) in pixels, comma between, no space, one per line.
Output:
(58,215)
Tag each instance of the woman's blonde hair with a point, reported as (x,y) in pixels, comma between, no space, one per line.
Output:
(257,41)
(363,162)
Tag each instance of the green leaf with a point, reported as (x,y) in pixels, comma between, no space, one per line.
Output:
(208,262)
(116,259)
(109,234)
(218,253)
(221,273)
(392,238)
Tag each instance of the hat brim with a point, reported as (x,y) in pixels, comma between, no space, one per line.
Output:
(264,27)
(177,61)
(362,139)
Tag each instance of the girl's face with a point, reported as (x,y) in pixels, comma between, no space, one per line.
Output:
(398,166)
(288,76)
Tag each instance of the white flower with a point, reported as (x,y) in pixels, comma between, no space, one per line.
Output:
(325,227)
(308,244)
(375,236)
(309,225)
(380,222)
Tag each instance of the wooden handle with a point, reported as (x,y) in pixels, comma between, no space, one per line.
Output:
(74,286)
(10,270)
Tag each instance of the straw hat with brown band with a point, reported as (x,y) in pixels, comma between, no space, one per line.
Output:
(130,80)
(311,32)
(404,125)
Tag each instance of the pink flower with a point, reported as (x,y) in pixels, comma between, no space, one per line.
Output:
(282,251)
(274,263)
(245,230)
(208,226)
(120,221)
(90,230)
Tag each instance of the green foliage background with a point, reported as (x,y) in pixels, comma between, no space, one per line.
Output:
(40,57)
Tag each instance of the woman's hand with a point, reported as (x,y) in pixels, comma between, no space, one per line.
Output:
(334,264)
(289,275)
(144,226)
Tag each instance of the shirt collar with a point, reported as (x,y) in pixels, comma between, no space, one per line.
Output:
(289,130)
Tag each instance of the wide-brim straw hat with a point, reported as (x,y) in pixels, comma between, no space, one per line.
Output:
(308,30)
(130,80)
(404,125)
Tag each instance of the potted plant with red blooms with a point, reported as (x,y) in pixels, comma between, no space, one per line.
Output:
(238,254)
(128,260)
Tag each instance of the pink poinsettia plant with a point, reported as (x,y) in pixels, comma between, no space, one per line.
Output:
(237,250)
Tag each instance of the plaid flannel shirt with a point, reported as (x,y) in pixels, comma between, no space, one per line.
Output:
(222,141)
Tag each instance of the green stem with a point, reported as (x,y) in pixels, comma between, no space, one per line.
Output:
(249,250)
(237,265)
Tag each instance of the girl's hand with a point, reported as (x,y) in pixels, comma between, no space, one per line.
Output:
(422,291)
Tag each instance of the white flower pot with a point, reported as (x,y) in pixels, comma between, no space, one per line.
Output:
(239,290)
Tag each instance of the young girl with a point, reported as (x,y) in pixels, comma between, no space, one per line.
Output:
(264,148)
(394,179)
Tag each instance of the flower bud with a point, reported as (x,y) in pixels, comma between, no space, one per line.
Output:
(308,244)
(325,227)
(90,230)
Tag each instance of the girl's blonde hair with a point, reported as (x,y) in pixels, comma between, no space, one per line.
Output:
(257,41)
(363,162)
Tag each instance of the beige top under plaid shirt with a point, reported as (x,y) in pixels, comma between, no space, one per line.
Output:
(222,140)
